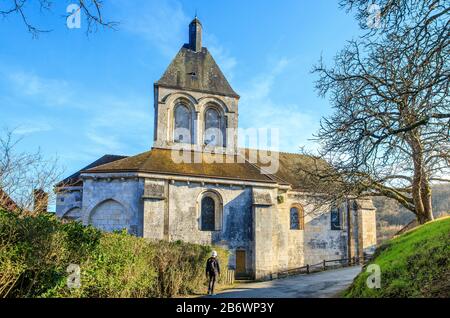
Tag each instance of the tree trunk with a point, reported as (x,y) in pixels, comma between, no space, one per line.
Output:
(421,191)
(426,197)
(418,203)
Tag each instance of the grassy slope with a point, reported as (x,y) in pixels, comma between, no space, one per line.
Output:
(415,264)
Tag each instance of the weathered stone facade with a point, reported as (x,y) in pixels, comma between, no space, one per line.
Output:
(69,202)
(234,205)
(167,98)
(252,220)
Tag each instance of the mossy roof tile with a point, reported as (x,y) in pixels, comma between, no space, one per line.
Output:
(196,71)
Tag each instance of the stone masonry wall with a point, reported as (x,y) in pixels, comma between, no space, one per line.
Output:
(68,201)
(288,244)
(125,192)
(367,234)
(235,233)
(264,212)
(165,101)
(254,219)
(174,215)
(317,242)
(154,208)
(110,216)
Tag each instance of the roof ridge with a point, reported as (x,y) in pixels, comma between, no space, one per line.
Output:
(157,160)
(278,151)
(108,154)
(257,167)
(271,176)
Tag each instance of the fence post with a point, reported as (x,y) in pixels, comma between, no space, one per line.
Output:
(307,268)
(324,265)
(230,277)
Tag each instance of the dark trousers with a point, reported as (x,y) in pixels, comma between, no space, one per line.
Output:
(212,281)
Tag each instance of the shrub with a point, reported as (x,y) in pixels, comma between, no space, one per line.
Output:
(35,252)
(181,267)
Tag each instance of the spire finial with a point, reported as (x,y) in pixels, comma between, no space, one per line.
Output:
(195,34)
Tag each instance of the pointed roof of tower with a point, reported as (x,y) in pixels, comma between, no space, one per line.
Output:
(196,71)
(196,20)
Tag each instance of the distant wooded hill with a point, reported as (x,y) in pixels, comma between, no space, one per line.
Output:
(391,217)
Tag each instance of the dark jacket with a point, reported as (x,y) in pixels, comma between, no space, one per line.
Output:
(212,266)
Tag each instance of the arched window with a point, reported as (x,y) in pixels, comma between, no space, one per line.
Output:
(210,212)
(335,217)
(297,218)
(182,128)
(214,135)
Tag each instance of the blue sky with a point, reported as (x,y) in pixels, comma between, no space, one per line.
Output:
(79,97)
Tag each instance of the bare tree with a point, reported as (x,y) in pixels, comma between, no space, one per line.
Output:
(398,15)
(27,178)
(91,9)
(390,132)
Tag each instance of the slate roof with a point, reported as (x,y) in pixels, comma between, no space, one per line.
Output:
(289,171)
(196,71)
(74,179)
(160,161)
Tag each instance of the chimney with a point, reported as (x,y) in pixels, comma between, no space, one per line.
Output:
(195,35)
(40,201)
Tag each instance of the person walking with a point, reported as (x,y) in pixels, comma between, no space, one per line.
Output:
(212,271)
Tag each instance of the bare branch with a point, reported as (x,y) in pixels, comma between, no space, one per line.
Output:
(92,10)
(22,173)
(390,132)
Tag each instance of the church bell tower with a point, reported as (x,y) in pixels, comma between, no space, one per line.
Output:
(195,105)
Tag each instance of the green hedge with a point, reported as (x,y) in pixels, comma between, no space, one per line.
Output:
(35,253)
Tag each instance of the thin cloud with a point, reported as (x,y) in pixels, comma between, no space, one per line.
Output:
(222,55)
(258,109)
(52,92)
(32,127)
(113,124)
(104,143)
(162,23)
(120,121)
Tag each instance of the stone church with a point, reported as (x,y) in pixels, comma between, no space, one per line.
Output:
(213,193)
